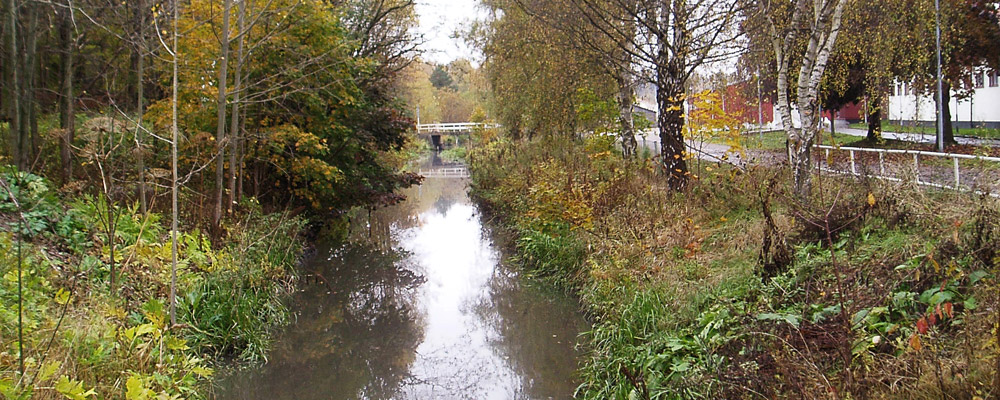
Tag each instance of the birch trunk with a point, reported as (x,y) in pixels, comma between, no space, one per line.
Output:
(625,111)
(824,27)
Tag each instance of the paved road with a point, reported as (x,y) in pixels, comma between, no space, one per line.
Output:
(711,152)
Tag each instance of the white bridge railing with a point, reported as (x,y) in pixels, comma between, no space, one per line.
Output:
(986,176)
(460,127)
(454,172)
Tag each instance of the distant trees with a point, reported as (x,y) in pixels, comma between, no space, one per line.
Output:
(539,75)
(440,78)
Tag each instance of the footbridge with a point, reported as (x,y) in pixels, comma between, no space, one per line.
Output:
(435,132)
(458,128)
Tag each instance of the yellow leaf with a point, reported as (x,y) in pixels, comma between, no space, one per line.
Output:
(62,296)
(871,200)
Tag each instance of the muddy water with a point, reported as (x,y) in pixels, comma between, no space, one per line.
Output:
(418,305)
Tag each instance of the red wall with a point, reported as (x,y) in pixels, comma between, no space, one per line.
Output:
(746,109)
(851,112)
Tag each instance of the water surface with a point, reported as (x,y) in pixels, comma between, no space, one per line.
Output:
(417,305)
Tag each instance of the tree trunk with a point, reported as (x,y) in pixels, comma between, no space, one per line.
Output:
(626,89)
(234,129)
(241,149)
(625,107)
(140,106)
(874,118)
(670,121)
(220,136)
(13,84)
(29,120)
(173,166)
(949,132)
(66,107)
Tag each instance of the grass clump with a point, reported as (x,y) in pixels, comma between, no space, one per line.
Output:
(734,288)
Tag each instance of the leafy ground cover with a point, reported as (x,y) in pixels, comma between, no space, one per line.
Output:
(733,289)
(95,321)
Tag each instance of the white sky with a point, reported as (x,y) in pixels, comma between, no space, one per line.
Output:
(439,20)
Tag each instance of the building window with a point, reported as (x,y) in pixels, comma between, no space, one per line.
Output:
(993,79)
(979,80)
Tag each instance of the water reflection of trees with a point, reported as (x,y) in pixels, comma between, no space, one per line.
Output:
(535,330)
(356,332)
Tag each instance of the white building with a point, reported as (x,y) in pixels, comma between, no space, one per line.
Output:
(980,110)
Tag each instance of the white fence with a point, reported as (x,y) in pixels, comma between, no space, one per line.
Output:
(461,127)
(985,175)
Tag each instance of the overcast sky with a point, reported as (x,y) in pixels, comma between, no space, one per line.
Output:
(439,19)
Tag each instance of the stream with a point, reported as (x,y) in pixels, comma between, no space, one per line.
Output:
(419,304)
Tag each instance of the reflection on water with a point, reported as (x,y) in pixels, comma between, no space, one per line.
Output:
(421,309)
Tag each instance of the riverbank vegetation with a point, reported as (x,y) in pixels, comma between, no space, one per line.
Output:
(89,307)
(162,162)
(734,288)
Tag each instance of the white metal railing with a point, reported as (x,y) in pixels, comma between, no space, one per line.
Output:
(454,127)
(882,174)
(455,172)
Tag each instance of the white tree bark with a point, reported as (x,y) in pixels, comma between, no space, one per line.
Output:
(820,20)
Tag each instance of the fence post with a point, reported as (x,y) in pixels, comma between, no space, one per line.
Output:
(957,181)
(854,170)
(881,163)
(916,167)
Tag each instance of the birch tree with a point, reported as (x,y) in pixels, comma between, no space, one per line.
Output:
(806,31)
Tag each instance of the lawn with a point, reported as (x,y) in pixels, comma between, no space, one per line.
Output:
(985,133)
(775,140)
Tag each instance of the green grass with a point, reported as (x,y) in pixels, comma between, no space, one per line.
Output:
(775,140)
(985,133)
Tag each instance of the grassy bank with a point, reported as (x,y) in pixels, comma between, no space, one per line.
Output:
(95,320)
(733,289)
